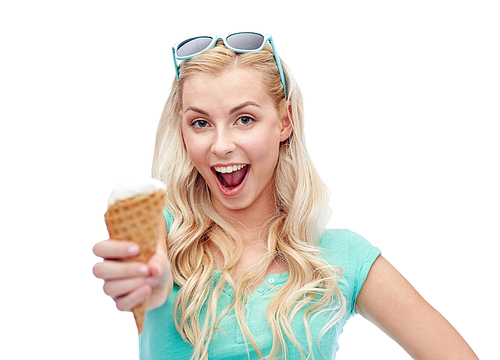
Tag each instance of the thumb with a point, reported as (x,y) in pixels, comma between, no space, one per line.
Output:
(159,265)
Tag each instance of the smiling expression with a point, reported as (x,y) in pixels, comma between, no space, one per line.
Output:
(232,132)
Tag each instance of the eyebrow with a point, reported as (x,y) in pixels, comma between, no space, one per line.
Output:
(195,109)
(233,110)
(245,104)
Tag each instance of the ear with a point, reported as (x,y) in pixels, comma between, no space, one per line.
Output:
(286,123)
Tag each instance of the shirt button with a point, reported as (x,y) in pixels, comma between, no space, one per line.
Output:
(260,290)
(271,280)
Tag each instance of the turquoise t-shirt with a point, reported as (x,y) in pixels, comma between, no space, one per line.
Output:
(160,339)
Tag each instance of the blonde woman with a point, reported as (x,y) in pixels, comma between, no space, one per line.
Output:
(245,268)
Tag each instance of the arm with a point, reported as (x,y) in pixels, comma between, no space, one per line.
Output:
(391,303)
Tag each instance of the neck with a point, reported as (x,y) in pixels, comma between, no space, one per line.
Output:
(251,223)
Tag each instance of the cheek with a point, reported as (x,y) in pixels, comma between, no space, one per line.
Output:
(193,148)
(266,147)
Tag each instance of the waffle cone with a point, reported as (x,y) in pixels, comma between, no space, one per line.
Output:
(137,219)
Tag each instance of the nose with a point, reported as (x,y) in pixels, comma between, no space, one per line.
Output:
(223,143)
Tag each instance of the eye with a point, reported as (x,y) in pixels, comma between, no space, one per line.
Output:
(200,123)
(244,120)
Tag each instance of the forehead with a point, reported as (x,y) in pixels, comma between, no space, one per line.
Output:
(226,87)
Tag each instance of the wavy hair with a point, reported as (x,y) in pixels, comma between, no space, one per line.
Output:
(300,217)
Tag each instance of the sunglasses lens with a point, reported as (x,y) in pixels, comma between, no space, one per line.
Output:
(193,46)
(245,41)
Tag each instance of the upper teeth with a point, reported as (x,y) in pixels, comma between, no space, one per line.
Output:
(228,169)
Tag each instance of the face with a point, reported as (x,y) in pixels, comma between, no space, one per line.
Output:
(232,132)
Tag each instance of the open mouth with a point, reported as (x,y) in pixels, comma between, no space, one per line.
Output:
(231,177)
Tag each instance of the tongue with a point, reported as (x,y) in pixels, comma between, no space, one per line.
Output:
(235,178)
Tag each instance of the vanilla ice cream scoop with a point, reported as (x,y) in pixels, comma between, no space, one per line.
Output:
(133,188)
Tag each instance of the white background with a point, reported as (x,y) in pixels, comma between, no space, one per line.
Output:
(402,109)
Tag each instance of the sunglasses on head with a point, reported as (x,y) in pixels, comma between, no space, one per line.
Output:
(240,42)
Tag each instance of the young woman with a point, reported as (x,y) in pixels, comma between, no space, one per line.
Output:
(246,268)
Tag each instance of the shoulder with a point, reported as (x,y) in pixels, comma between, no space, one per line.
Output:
(346,245)
(354,255)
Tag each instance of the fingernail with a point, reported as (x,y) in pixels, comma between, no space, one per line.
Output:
(133,249)
(159,269)
(143,270)
(151,281)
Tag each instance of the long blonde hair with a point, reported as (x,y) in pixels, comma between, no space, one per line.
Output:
(295,228)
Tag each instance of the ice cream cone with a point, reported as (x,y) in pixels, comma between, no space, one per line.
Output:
(137,218)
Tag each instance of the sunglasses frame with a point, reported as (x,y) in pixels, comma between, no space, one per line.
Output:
(224,37)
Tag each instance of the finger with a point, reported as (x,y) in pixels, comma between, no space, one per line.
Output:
(116,249)
(109,269)
(118,288)
(131,300)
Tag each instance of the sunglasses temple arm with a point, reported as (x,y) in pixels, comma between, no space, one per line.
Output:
(175,64)
(278,63)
